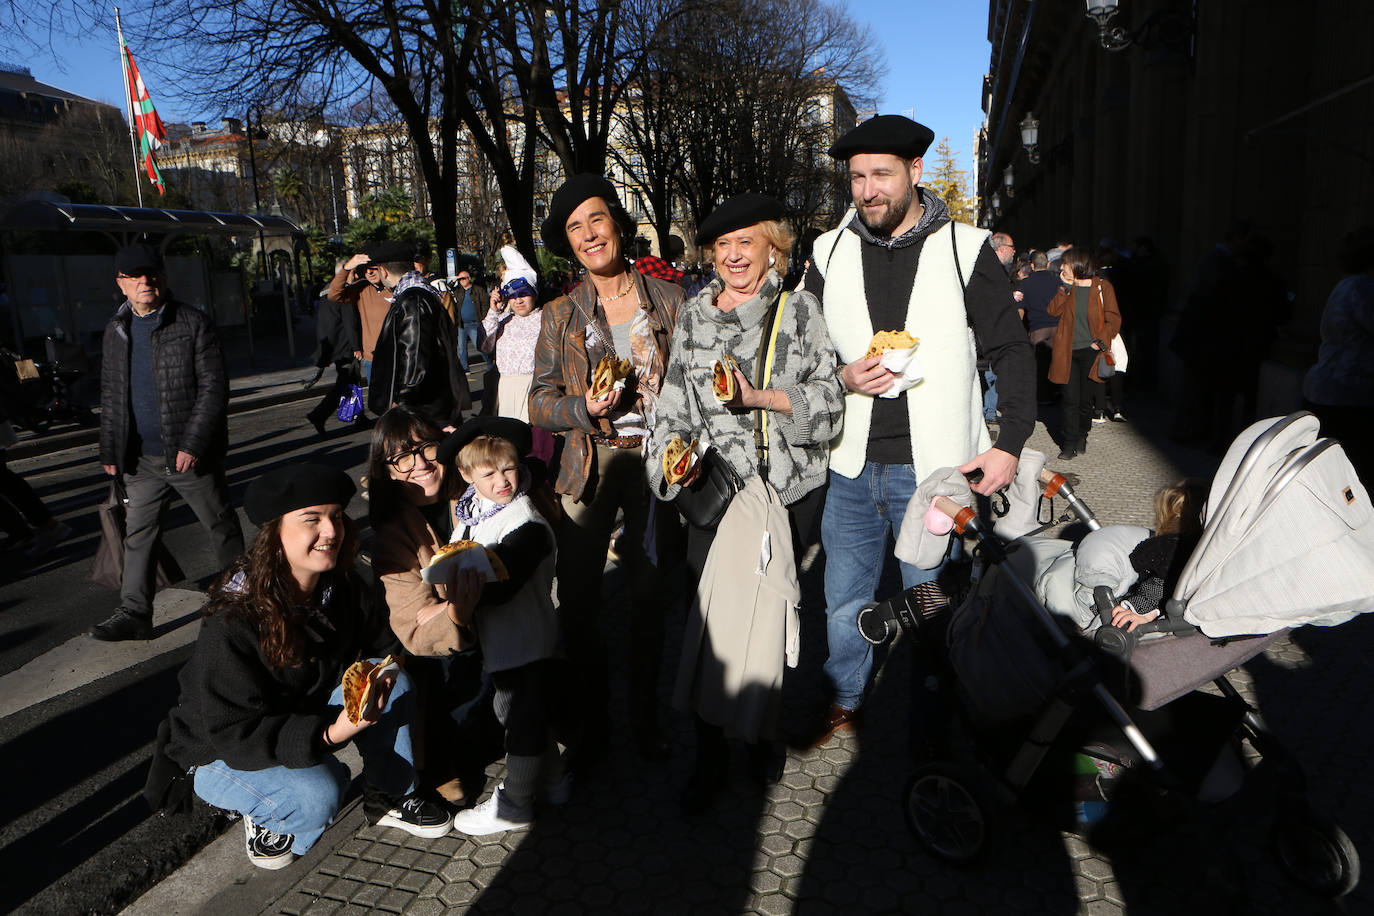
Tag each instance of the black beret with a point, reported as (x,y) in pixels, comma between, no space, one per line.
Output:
(736,213)
(568,198)
(293,487)
(137,260)
(885,134)
(517,432)
(389,253)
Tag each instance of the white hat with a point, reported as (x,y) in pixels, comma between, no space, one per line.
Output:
(517,266)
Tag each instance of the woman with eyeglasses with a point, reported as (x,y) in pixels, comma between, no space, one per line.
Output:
(413,498)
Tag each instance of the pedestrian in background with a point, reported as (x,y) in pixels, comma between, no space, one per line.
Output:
(1088,319)
(470,304)
(415,363)
(164,427)
(338,341)
(1339,389)
(356,284)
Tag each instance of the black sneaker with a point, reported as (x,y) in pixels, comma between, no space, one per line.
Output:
(1117,417)
(418,816)
(123,625)
(266,848)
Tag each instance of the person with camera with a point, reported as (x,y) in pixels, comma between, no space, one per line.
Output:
(769,412)
(1088,320)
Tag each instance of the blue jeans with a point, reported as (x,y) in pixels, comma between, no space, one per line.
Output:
(303,801)
(990,396)
(860,514)
(367,371)
(466,333)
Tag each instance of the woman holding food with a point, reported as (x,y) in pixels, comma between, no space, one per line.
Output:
(713,391)
(598,368)
(264,709)
(413,499)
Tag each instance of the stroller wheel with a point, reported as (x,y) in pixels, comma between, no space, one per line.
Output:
(1315,853)
(947,813)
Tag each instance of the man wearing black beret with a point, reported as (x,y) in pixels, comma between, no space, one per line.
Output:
(164,400)
(899,263)
(416,360)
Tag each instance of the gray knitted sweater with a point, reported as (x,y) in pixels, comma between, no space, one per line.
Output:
(804,366)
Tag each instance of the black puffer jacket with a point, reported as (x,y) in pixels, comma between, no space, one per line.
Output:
(191,382)
(416,360)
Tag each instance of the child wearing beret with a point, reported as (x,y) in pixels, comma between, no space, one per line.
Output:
(516,622)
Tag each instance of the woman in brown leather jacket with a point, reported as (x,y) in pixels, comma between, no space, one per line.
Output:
(615,312)
(1088,320)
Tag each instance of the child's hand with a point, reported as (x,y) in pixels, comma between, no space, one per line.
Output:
(1121,617)
(464,588)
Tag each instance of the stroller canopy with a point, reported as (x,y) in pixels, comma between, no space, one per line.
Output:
(1288,536)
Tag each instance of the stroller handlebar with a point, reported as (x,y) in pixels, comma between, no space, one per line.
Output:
(960,515)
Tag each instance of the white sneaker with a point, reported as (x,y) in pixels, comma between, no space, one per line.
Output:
(495,815)
(556,793)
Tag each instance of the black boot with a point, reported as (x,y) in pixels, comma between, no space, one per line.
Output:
(708,771)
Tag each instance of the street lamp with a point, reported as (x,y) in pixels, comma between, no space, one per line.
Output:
(1171,28)
(996,204)
(1009,182)
(1030,137)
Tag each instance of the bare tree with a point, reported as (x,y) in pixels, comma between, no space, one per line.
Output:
(737,97)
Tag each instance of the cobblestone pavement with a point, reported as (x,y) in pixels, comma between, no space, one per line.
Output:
(831,837)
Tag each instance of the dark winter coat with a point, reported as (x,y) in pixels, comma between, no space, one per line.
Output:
(416,360)
(338,332)
(191,382)
(236,707)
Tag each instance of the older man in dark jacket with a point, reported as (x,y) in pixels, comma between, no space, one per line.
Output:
(164,397)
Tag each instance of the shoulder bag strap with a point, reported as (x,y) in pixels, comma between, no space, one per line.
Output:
(763,371)
(954,246)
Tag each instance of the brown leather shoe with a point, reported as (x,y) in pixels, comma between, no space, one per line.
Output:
(837,719)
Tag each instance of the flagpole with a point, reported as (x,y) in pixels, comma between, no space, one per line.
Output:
(129,107)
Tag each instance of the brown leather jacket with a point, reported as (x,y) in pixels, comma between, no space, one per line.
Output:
(1104,319)
(563,371)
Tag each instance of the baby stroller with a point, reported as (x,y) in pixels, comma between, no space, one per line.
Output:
(1015,657)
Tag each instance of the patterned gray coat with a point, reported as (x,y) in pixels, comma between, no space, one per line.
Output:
(804,366)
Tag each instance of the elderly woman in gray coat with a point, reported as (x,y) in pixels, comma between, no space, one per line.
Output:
(799,408)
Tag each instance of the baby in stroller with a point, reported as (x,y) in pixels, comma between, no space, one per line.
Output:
(1164,614)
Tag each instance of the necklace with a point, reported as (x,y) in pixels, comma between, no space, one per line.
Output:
(629,285)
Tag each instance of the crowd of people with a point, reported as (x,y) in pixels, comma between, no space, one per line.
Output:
(643,412)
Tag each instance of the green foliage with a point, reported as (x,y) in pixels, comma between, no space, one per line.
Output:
(549,262)
(78,191)
(949,182)
(387,216)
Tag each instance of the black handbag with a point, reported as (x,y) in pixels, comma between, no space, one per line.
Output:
(703,504)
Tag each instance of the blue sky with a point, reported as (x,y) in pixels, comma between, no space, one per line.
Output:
(937,52)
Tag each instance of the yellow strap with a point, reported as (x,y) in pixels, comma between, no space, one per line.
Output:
(768,363)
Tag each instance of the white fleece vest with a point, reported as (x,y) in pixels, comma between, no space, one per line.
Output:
(526,628)
(944,409)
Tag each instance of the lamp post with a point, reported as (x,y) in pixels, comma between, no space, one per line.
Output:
(1174,29)
(1009,182)
(1030,137)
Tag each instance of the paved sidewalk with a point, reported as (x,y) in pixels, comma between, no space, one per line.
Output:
(830,837)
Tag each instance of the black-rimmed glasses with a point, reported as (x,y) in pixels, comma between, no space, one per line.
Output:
(404,462)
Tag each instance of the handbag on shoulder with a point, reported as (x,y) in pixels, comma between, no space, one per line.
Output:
(703,504)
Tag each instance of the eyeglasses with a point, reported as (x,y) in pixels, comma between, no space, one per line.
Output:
(404,462)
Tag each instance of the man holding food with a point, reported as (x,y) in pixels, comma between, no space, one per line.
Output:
(913,403)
